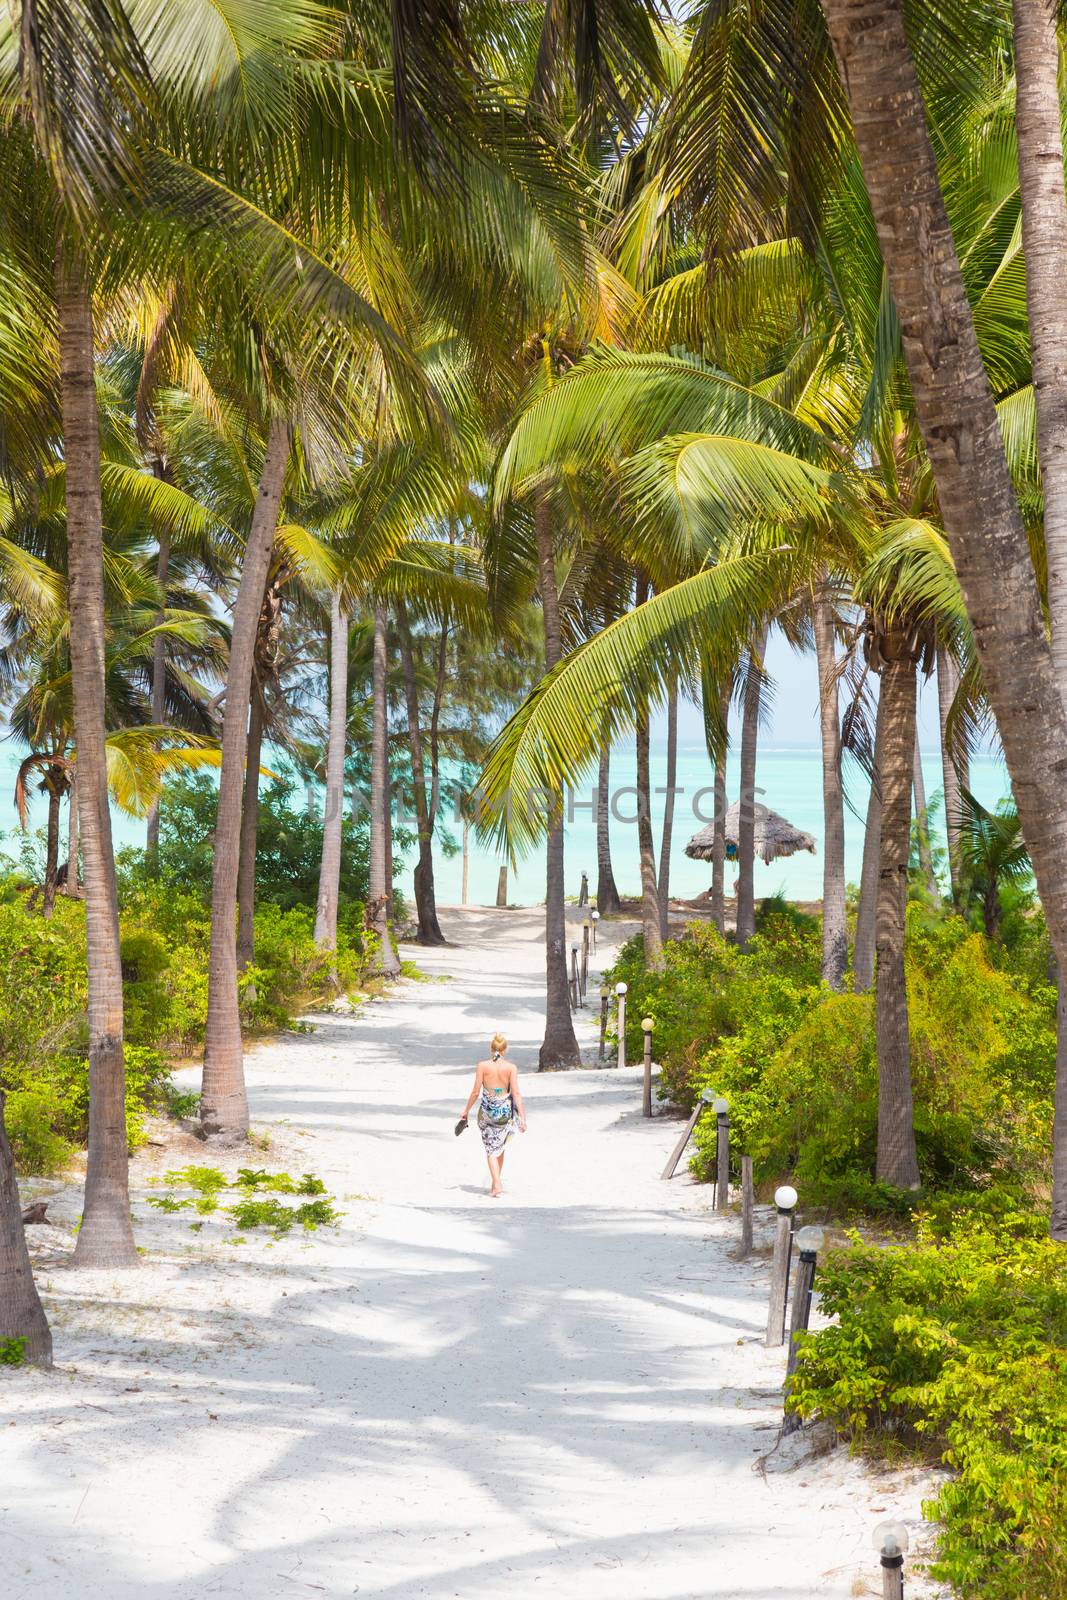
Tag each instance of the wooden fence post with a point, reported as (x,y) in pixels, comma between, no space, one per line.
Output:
(576,981)
(620,1021)
(585,957)
(747,1203)
(646,1089)
(722,1154)
(785,1199)
(809,1242)
(891,1542)
(707,1096)
(603,1024)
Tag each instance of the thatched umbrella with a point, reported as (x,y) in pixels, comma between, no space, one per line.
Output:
(774,836)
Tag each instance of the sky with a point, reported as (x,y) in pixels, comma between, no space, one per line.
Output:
(794,711)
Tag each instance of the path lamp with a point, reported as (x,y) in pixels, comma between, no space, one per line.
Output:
(620,1020)
(721,1109)
(891,1542)
(646,1093)
(594,917)
(809,1241)
(785,1199)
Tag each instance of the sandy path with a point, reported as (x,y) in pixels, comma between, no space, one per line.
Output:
(561,1394)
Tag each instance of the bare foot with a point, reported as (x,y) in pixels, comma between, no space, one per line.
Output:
(494,1194)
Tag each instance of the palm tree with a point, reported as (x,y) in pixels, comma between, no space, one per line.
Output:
(607,894)
(224,1102)
(834,930)
(952,779)
(863,951)
(337,738)
(21,1313)
(992,853)
(429,929)
(559,1047)
(668,812)
(105,1238)
(956,413)
(746,826)
(922,828)
(387,961)
(897,1162)
(1043,211)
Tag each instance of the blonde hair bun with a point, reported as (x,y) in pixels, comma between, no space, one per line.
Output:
(498,1044)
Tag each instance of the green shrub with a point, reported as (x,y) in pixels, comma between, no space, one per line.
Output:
(12,1352)
(798,1063)
(254,1209)
(28,1117)
(253,1212)
(957,1348)
(165,932)
(280,1182)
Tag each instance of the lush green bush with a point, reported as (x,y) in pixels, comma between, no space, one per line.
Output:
(165,942)
(288,842)
(957,1348)
(798,1064)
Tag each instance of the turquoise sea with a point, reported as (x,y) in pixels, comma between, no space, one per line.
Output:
(789,780)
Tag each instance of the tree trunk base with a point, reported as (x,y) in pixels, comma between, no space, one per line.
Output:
(104,1244)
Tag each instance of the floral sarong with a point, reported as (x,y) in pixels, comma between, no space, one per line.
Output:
(496,1121)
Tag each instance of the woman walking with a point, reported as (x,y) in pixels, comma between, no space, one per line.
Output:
(500,1107)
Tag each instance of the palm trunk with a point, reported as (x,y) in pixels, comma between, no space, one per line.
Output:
(466,859)
(897,1161)
(387,962)
(224,1103)
(1044,228)
(390,907)
(650,900)
(21,1313)
(718,746)
(429,929)
(73,884)
(746,826)
(922,823)
(958,419)
(863,954)
(1059,1127)
(668,813)
(834,928)
(159,686)
(246,866)
(559,1047)
(330,865)
(607,895)
(51,854)
(105,1238)
(947,684)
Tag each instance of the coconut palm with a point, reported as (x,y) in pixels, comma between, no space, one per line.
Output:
(993,853)
(797,160)
(22,1316)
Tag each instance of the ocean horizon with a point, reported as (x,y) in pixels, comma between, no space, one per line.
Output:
(788,780)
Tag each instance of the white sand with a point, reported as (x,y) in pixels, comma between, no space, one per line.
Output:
(563,1393)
